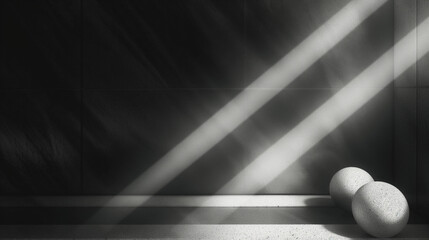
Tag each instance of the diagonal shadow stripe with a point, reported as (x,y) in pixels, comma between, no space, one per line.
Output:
(328,116)
(248,102)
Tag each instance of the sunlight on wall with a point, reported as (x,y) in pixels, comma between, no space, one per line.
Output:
(327,117)
(248,102)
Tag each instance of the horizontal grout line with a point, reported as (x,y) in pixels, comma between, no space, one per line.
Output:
(216,89)
(40,89)
(415,87)
(169,201)
(176,89)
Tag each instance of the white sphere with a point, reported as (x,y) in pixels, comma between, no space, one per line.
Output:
(345,183)
(380,209)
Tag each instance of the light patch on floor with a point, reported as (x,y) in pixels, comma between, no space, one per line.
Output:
(170,201)
(236,231)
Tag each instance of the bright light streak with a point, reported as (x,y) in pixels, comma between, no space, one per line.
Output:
(132,201)
(330,115)
(248,102)
(326,118)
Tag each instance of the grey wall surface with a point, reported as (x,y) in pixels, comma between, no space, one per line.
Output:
(411,112)
(93,93)
(423,119)
(405,111)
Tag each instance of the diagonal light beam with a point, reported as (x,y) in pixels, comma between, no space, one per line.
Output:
(248,102)
(330,115)
(326,118)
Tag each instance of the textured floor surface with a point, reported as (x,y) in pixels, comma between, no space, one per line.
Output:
(186,217)
(237,231)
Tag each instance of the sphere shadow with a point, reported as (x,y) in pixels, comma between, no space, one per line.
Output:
(339,221)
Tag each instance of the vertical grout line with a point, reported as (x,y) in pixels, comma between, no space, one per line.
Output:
(394,157)
(81,96)
(245,60)
(417,157)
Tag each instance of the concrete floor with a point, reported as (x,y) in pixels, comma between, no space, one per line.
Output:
(202,231)
(226,217)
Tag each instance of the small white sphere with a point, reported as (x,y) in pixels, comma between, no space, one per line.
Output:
(345,183)
(380,209)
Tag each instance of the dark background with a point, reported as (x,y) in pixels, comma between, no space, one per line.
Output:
(92,93)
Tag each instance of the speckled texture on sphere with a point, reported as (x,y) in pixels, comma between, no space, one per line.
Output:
(380,209)
(345,183)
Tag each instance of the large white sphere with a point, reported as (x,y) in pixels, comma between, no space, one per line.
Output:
(380,209)
(345,183)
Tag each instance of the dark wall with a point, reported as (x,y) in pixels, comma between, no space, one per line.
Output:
(411,111)
(423,118)
(40,97)
(95,92)
(405,99)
